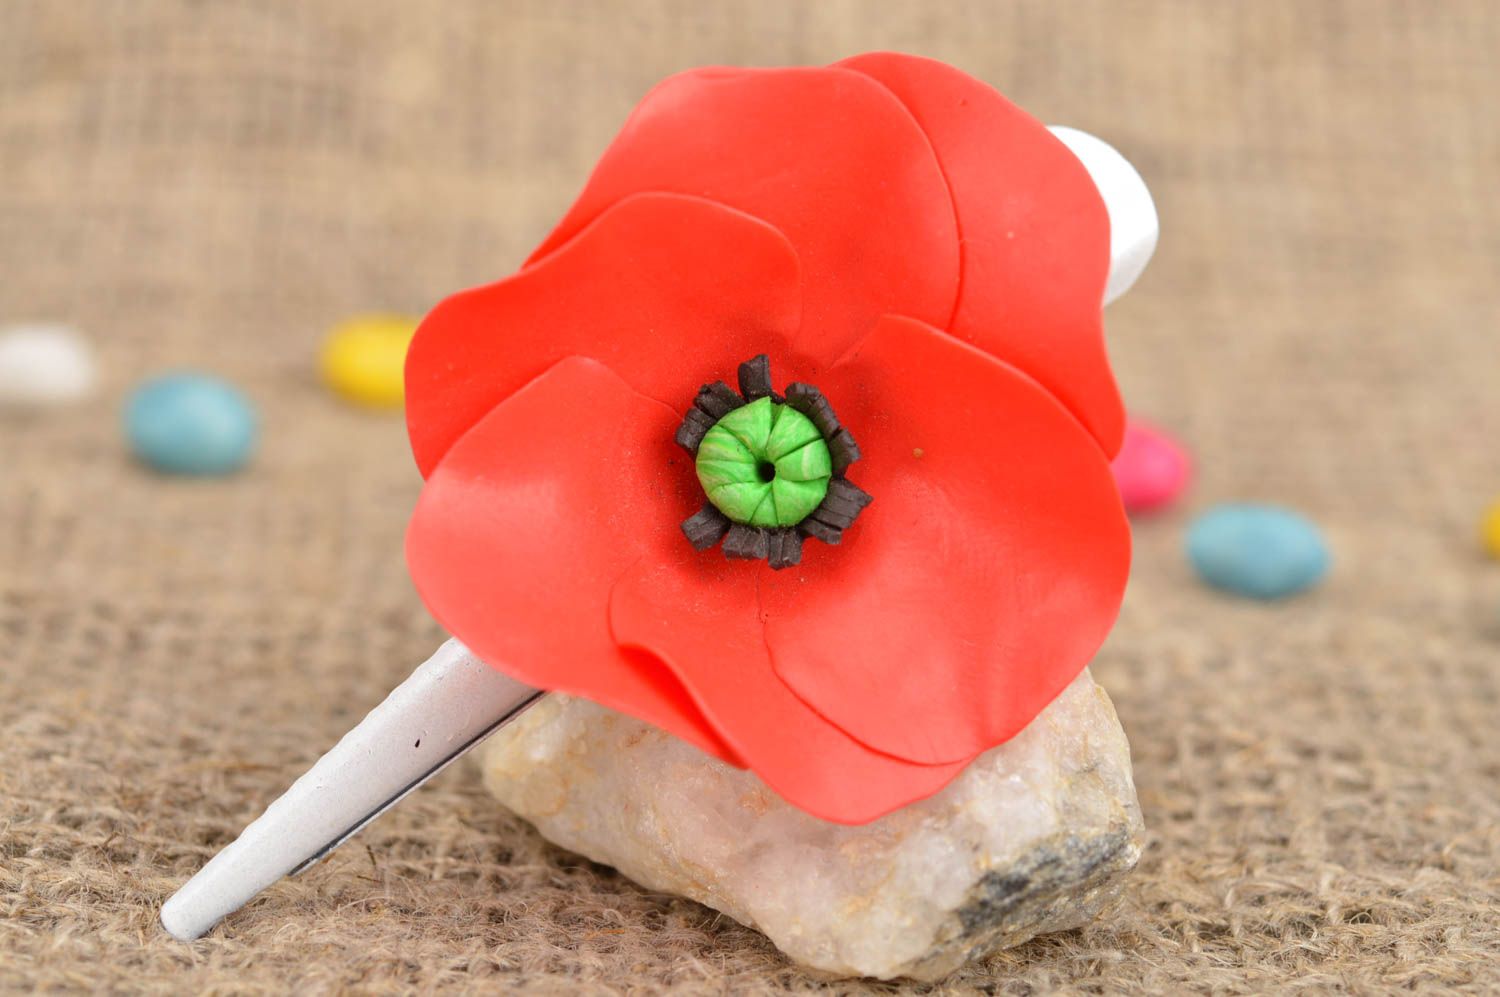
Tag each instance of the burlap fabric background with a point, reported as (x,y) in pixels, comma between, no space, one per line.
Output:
(212,184)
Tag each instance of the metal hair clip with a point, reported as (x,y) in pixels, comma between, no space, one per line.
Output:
(453,701)
(448,705)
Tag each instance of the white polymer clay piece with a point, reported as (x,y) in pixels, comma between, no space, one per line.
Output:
(1133,225)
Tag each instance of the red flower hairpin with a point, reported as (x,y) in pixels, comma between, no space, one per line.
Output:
(793,438)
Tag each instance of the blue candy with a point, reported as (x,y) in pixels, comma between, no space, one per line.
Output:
(1260,551)
(191,424)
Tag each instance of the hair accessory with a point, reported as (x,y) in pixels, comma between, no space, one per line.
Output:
(887,229)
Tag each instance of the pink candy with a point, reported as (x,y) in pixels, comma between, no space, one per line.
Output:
(1152,469)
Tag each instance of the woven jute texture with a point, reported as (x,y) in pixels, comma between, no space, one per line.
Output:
(212,184)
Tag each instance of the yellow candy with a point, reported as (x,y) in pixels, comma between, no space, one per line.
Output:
(1489,529)
(364,358)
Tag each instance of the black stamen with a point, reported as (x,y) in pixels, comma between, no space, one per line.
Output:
(785,549)
(755,378)
(831,535)
(843,450)
(746,543)
(810,402)
(705,527)
(718,400)
(842,505)
(843,488)
(695,426)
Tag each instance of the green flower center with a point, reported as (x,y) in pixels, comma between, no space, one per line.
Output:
(772,468)
(765,464)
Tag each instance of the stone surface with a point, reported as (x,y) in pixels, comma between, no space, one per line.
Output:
(1033,837)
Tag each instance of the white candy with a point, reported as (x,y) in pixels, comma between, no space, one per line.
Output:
(44,365)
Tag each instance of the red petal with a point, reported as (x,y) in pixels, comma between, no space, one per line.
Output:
(1035,235)
(669,291)
(523,528)
(983,577)
(829,157)
(699,615)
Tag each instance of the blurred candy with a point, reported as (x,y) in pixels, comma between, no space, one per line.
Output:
(364,359)
(1489,529)
(44,365)
(1260,551)
(1151,469)
(190,424)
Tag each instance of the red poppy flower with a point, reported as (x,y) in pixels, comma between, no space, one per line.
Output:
(929,257)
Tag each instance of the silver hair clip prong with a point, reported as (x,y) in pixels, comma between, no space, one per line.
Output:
(448,705)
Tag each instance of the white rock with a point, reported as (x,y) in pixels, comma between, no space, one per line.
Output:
(1033,837)
(44,365)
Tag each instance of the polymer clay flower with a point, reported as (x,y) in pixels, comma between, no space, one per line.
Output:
(793,439)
